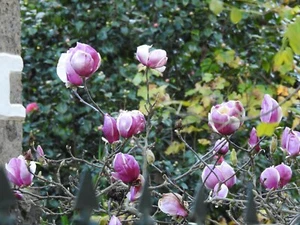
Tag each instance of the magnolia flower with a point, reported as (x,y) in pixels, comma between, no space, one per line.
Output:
(227,117)
(130,123)
(78,63)
(136,189)
(270,178)
(18,173)
(221,146)
(31,107)
(172,204)
(220,190)
(155,59)
(290,141)
(285,173)
(270,112)
(221,173)
(126,168)
(254,140)
(114,221)
(109,129)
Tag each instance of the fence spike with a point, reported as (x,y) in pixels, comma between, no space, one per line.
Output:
(7,200)
(145,205)
(251,213)
(199,210)
(86,199)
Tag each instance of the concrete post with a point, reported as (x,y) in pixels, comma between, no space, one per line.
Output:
(12,113)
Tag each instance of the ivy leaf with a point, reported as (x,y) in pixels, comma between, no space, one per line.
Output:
(216,6)
(266,129)
(236,15)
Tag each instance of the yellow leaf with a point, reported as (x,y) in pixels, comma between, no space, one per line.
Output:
(236,15)
(293,34)
(175,148)
(190,129)
(266,129)
(216,6)
(282,90)
(204,141)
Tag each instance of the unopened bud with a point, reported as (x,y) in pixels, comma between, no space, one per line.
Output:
(233,157)
(150,156)
(273,145)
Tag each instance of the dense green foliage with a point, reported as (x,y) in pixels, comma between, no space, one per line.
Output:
(231,50)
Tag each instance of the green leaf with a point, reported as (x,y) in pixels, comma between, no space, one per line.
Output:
(207,77)
(266,129)
(185,2)
(159,3)
(216,6)
(293,34)
(236,15)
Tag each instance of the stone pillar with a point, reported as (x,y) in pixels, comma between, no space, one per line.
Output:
(12,113)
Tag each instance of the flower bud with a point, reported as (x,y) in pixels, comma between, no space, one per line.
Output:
(114,221)
(227,117)
(285,173)
(290,142)
(40,153)
(172,204)
(18,195)
(109,129)
(221,146)
(31,107)
(78,63)
(270,178)
(270,112)
(126,168)
(220,190)
(155,59)
(254,140)
(18,173)
(150,156)
(130,123)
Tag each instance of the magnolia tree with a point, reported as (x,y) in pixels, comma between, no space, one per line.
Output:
(130,154)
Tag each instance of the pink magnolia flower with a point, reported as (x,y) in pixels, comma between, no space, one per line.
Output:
(270,178)
(18,173)
(172,204)
(222,173)
(31,107)
(228,174)
(211,176)
(270,112)
(40,152)
(130,123)
(221,146)
(227,117)
(126,168)
(109,129)
(155,59)
(220,190)
(290,141)
(285,173)
(136,189)
(114,221)
(78,63)
(254,140)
